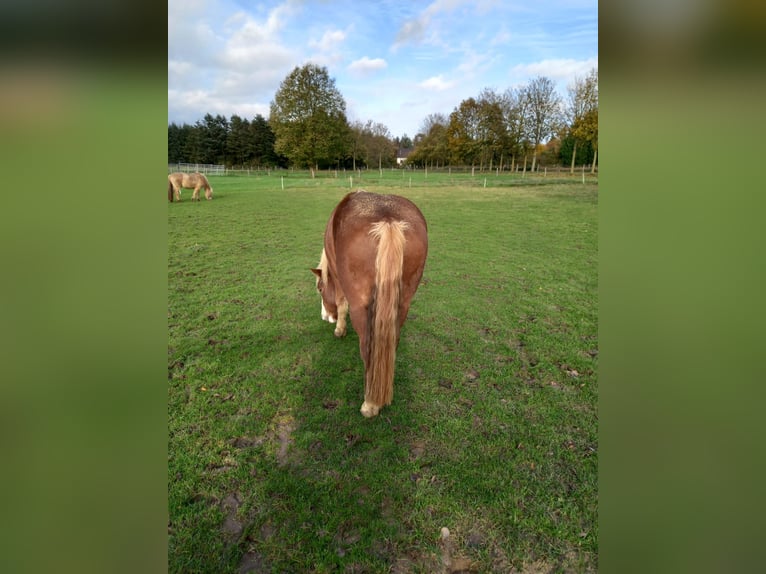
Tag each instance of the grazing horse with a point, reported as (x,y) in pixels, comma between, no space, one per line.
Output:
(195,181)
(375,249)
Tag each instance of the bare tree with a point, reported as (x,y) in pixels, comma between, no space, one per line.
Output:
(543,112)
(514,106)
(437,119)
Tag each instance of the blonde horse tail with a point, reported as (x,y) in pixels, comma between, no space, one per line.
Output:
(383,322)
(170,191)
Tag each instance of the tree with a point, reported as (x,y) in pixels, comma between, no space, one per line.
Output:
(583,112)
(566,152)
(404,142)
(591,120)
(380,146)
(262,140)
(214,132)
(493,135)
(237,143)
(175,143)
(543,112)
(308,117)
(192,143)
(358,147)
(430,146)
(464,131)
(513,105)
(371,143)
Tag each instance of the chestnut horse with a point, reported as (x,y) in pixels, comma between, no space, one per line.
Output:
(195,181)
(375,249)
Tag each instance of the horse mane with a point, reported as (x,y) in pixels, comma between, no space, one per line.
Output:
(383,323)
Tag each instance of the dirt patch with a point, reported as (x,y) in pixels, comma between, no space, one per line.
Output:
(246,442)
(450,563)
(279,433)
(253,563)
(471,375)
(417,449)
(232,527)
(285,425)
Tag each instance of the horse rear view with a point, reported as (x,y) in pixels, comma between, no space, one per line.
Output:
(375,249)
(195,181)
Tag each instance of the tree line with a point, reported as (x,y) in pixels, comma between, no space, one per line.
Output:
(526,124)
(308,128)
(217,140)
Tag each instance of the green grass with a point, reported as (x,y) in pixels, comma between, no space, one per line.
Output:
(493,429)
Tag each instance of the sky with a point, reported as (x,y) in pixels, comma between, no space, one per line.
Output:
(394,62)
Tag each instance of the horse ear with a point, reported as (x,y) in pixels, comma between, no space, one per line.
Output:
(317,272)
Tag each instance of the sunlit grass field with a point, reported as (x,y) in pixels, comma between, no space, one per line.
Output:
(492,434)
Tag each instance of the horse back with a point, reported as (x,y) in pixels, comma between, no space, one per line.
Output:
(358,211)
(352,250)
(188,180)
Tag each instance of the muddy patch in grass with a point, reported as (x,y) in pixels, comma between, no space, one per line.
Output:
(232,527)
(279,434)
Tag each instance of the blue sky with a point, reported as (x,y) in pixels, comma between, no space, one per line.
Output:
(394,62)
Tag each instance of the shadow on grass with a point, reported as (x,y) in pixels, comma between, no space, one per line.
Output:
(344,494)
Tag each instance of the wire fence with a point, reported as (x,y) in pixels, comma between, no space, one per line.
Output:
(543,171)
(204,168)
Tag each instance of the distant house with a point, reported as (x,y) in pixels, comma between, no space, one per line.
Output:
(402,155)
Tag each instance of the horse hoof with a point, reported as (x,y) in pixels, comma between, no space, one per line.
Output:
(369,410)
(340,333)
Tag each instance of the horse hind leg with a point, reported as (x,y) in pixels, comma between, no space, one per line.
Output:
(361,320)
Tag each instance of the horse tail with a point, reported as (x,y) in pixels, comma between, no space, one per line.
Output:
(383,320)
(170,190)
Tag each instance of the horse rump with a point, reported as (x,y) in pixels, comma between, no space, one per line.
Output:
(375,248)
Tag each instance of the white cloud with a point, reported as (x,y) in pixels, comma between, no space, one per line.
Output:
(367,65)
(255,58)
(436,83)
(179,73)
(414,30)
(188,104)
(555,69)
(235,70)
(473,63)
(331,39)
(253,43)
(191,40)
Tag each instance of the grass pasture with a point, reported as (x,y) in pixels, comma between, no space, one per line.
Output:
(493,430)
